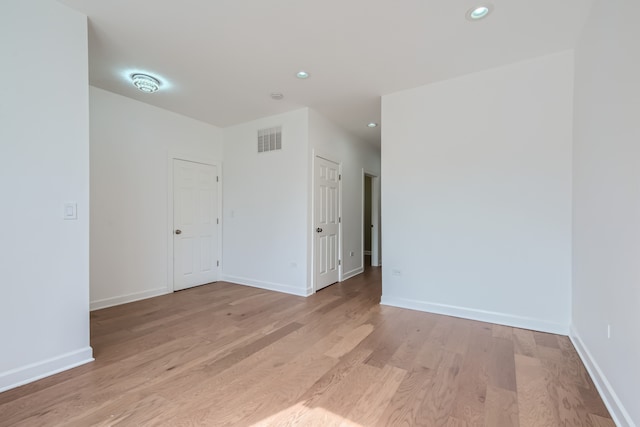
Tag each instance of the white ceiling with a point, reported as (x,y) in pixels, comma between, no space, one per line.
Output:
(222,58)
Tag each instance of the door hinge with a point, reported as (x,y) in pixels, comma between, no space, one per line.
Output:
(217,263)
(217,220)
(217,178)
(339,177)
(339,219)
(339,262)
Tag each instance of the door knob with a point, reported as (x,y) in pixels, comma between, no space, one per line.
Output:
(178,231)
(319,230)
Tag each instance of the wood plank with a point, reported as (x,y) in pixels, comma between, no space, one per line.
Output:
(502,369)
(546,340)
(524,343)
(599,421)
(593,402)
(535,406)
(370,407)
(405,403)
(501,408)
(471,397)
(329,381)
(570,406)
(389,336)
(346,393)
(405,356)
(455,422)
(458,339)
(438,402)
(349,342)
(501,331)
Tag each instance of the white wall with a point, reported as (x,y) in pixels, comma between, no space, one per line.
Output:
(44,162)
(606,261)
(330,141)
(265,206)
(476,195)
(130,147)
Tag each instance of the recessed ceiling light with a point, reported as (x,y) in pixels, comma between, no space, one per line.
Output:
(145,83)
(302,75)
(372,125)
(277,96)
(479,12)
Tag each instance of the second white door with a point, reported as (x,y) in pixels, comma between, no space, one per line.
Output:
(195,231)
(327,222)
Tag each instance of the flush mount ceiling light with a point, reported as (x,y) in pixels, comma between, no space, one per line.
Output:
(302,75)
(277,96)
(372,125)
(145,83)
(479,12)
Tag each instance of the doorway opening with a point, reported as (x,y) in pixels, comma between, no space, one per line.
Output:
(327,223)
(370,219)
(194,223)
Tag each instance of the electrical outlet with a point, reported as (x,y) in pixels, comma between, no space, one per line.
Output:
(609,331)
(352,253)
(70,210)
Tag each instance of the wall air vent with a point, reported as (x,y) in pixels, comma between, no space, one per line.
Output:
(270,139)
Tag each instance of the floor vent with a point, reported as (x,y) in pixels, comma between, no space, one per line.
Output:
(270,139)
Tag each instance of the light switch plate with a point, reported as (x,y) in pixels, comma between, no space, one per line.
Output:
(70,211)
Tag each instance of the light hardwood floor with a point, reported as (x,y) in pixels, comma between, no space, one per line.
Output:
(225,354)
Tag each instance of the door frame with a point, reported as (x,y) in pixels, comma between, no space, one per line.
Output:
(169,228)
(314,267)
(375,217)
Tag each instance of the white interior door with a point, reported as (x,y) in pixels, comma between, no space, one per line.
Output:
(195,228)
(327,223)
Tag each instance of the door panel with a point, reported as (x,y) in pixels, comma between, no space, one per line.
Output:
(327,211)
(195,198)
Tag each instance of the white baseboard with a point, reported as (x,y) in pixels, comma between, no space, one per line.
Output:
(367,252)
(352,273)
(617,411)
(480,315)
(287,289)
(123,299)
(35,371)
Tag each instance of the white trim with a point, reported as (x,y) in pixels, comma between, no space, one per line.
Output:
(352,273)
(480,315)
(617,411)
(195,158)
(35,371)
(270,286)
(124,299)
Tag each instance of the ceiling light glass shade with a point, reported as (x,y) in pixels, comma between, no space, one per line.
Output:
(372,125)
(145,83)
(302,75)
(478,12)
